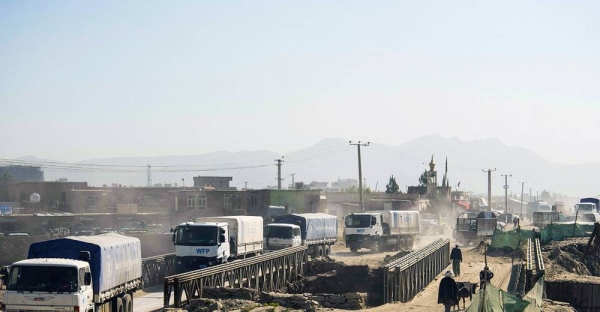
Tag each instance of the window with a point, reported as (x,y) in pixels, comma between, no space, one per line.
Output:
(191,202)
(201,202)
(231,201)
(228,202)
(196,202)
(90,203)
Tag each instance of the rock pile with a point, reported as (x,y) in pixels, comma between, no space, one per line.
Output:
(307,302)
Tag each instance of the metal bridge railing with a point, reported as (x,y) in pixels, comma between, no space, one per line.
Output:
(155,269)
(267,272)
(534,267)
(404,278)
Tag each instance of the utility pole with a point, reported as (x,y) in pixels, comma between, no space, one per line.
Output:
(506,191)
(279,161)
(522,189)
(530,193)
(149,175)
(293,185)
(489,172)
(360,179)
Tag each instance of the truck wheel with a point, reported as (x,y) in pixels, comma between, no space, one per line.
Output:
(409,243)
(353,249)
(117,305)
(327,250)
(402,244)
(127,303)
(375,247)
(319,252)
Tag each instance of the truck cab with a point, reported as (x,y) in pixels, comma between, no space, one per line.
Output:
(281,235)
(200,245)
(49,284)
(585,207)
(363,229)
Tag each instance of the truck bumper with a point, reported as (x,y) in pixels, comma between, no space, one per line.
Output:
(358,241)
(186,264)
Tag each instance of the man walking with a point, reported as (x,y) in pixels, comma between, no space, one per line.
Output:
(448,292)
(456,257)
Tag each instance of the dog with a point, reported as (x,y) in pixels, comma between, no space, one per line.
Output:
(465,289)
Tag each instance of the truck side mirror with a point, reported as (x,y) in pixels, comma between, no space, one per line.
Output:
(373,221)
(222,238)
(87,279)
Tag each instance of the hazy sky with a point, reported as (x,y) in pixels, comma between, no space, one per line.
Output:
(88,79)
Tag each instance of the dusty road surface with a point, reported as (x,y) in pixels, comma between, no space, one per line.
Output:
(426,301)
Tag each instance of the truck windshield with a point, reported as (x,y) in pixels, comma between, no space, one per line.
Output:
(278,232)
(197,236)
(585,207)
(43,278)
(358,221)
(544,208)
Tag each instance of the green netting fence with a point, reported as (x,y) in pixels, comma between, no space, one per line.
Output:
(512,238)
(493,299)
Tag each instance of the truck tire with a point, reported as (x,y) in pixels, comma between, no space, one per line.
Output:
(375,247)
(353,249)
(319,252)
(409,243)
(402,244)
(117,305)
(326,250)
(127,303)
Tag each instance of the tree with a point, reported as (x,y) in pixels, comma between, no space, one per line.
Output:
(351,189)
(423,179)
(392,186)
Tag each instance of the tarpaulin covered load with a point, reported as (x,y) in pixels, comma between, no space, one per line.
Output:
(312,225)
(114,259)
(246,230)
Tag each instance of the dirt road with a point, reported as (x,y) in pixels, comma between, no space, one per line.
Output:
(426,301)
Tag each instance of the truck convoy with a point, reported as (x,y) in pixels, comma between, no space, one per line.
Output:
(76,273)
(317,231)
(378,230)
(215,240)
(471,227)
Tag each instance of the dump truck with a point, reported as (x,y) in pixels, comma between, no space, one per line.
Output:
(380,230)
(215,240)
(471,227)
(317,231)
(76,273)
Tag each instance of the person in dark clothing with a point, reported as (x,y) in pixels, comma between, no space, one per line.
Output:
(456,257)
(515,221)
(484,277)
(448,292)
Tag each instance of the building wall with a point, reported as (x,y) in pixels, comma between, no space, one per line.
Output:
(50,192)
(218,183)
(297,201)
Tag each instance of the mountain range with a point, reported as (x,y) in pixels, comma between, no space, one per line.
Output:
(335,158)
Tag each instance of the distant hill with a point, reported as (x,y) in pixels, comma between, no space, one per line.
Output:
(334,158)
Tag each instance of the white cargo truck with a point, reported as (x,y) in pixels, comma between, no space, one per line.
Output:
(214,240)
(76,273)
(379,230)
(317,231)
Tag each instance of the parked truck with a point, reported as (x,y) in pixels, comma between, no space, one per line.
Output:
(379,230)
(471,227)
(317,231)
(214,240)
(76,273)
